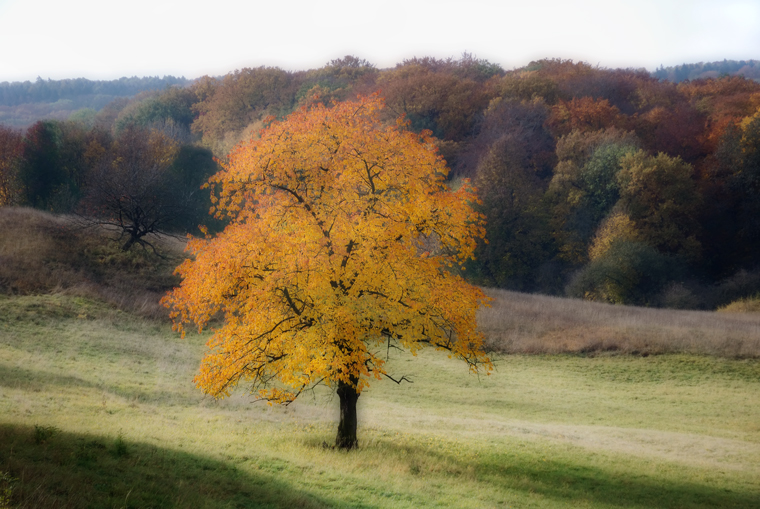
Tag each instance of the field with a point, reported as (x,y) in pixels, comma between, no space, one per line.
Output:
(99,410)
(589,405)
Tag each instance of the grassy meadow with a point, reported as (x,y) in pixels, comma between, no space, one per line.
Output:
(630,408)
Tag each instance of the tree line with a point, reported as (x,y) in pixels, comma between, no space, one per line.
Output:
(20,92)
(607,184)
(747,68)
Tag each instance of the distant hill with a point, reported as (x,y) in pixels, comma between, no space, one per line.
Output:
(23,103)
(748,68)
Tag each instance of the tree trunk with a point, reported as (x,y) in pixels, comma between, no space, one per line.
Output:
(129,243)
(346,438)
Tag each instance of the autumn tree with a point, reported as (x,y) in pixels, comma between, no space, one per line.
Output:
(228,105)
(661,198)
(628,272)
(527,85)
(675,130)
(339,80)
(584,187)
(169,111)
(445,96)
(519,240)
(584,114)
(723,101)
(565,79)
(732,200)
(342,241)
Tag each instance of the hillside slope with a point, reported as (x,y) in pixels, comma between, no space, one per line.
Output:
(45,253)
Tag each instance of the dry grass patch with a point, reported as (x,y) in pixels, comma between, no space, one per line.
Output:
(748,305)
(44,253)
(523,323)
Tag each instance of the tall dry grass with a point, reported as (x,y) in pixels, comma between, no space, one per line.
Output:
(44,253)
(523,323)
(746,305)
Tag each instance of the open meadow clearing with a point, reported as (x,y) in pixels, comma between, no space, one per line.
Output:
(98,409)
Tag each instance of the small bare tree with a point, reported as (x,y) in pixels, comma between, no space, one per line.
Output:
(132,187)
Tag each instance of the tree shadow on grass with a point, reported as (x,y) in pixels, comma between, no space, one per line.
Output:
(34,380)
(571,483)
(57,469)
(566,482)
(15,377)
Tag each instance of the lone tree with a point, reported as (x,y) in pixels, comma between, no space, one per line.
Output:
(341,244)
(132,188)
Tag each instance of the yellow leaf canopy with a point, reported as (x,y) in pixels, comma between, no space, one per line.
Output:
(342,238)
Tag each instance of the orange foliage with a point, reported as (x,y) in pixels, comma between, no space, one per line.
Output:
(228,105)
(584,114)
(724,101)
(342,239)
(433,95)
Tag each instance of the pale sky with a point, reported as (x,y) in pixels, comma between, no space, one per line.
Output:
(108,39)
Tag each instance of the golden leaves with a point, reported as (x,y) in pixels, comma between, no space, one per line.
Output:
(342,229)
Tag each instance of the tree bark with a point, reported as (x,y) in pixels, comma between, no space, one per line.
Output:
(129,243)
(346,438)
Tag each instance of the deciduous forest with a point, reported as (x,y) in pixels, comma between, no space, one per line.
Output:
(612,185)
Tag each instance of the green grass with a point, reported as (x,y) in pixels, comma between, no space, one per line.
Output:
(98,409)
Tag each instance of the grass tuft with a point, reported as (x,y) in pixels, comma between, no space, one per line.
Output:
(120,449)
(42,434)
(6,489)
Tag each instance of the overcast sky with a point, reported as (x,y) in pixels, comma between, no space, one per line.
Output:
(102,39)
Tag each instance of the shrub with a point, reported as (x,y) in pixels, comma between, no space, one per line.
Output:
(44,433)
(627,273)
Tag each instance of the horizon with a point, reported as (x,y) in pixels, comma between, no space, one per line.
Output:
(161,76)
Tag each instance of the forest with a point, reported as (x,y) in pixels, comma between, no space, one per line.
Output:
(747,68)
(612,185)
